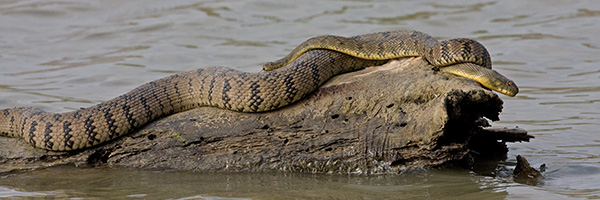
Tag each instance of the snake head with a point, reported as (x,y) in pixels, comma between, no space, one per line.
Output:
(269,66)
(500,83)
(511,88)
(489,78)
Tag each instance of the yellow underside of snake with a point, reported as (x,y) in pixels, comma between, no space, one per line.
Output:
(303,71)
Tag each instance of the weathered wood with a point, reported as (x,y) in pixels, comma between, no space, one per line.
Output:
(383,119)
(507,134)
(526,174)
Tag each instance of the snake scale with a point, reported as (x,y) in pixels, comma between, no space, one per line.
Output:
(304,71)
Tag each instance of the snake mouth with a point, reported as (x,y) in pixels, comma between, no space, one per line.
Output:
(508,93)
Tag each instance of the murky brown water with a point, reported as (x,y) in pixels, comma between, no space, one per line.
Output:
(111,183)
(62,55)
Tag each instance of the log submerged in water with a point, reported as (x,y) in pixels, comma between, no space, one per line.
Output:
(383,119)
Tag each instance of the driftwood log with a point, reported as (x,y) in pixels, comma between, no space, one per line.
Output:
(383,119)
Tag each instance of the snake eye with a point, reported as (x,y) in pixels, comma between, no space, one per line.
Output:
(510,83)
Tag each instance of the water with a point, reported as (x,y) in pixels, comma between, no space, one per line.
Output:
(62,55)
(110,183)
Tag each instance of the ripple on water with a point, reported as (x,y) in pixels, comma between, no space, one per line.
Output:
(62,55)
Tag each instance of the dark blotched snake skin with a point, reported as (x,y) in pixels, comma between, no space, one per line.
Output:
(245,92)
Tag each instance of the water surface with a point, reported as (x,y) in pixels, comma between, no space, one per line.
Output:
(63,55)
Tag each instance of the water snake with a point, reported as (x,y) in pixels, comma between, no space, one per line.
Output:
(223,88)
(390,45)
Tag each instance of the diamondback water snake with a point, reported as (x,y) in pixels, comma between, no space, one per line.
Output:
(214,86)
(390,45)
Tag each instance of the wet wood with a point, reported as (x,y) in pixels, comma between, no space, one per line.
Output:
(525,173)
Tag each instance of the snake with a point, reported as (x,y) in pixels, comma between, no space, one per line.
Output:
(390,45)
(281,83)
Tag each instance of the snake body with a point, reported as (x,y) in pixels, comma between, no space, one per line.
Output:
(223,88)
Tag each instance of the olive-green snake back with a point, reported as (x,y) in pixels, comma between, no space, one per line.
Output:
(234,90)
(405,43)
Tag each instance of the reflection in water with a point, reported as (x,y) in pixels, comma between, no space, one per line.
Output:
(62,55)
(115,183)
(65,63)
(10,193)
